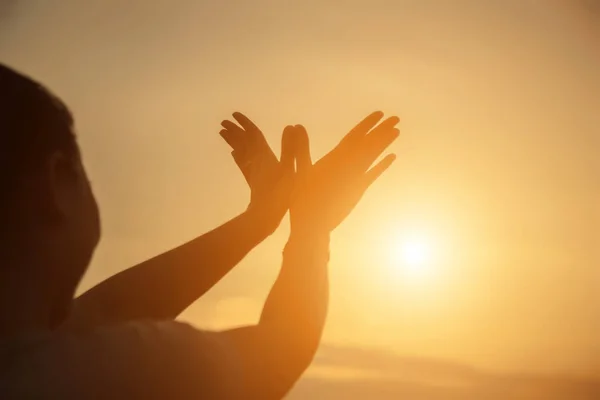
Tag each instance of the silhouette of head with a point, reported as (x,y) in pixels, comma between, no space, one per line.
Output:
(49,220)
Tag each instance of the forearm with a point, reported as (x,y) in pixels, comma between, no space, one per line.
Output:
(164,286)
(280,348)
(299,298)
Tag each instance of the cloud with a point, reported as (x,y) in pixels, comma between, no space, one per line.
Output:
(353,373)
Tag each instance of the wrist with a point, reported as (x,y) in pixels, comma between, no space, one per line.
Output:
(303,229)
(305,235)
(307,250)
(256,224)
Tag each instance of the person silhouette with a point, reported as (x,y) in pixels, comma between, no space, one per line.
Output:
(119,339)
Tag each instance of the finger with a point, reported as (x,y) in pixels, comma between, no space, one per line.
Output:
(375,144)
(284,186)
(245,122)
(302,149)
(232,126)
(375,172)
(287,149)
(363,127)
(236,137)
(281,194)
(228,137)
(237,143)
(256,134)
(388,123)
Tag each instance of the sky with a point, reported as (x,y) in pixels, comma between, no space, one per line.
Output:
(497,172)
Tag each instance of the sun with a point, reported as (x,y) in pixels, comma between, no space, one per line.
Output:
(412,256)
(415,252)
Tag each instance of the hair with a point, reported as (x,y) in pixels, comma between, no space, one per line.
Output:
(34,123)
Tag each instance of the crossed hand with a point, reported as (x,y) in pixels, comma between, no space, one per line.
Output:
(321,195)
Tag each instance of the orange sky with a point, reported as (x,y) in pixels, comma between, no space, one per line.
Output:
(498,160)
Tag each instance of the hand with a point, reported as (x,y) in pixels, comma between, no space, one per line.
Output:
(270,180)
(329,190)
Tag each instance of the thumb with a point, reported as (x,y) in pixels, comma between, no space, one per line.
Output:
(279,202)
(287,149)
(284,187)
(302,150)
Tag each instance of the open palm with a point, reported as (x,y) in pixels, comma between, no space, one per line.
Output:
(270,179)
(329,190)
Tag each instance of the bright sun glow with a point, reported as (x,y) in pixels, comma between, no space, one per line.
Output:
(412,256)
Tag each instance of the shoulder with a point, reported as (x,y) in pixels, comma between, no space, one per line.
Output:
(142,359)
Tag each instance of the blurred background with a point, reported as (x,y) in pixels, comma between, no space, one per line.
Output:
(470,270)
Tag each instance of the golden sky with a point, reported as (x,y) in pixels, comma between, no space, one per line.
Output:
(498,168)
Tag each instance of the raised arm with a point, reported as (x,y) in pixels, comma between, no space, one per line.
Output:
(173,360)
(278,350)
(164,286)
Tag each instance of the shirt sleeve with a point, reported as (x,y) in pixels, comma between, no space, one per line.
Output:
(145,360)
